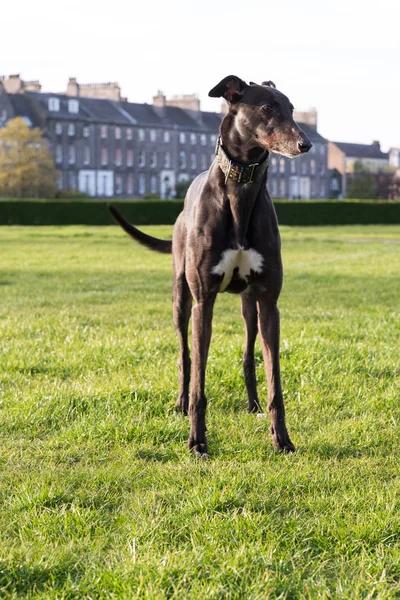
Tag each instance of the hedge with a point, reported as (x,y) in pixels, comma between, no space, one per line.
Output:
(165,212)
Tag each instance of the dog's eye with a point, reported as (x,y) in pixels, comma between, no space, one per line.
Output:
(267,107)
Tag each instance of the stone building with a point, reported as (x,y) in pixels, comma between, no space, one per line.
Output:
(104,145)
(342,156)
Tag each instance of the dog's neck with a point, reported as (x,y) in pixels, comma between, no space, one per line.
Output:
(241,149)
(242,196)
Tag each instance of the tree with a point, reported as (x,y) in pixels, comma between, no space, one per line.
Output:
(181,188)
(26,163)
(363,183)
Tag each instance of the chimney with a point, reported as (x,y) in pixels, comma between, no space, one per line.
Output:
(186,101)
(32,86)
(377,144)
(309,117)
(72,87)
(13,84)
(159,100)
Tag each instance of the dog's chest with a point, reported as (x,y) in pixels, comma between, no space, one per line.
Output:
(241,262)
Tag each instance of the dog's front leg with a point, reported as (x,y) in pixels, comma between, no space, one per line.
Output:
(201,333)
(268,315)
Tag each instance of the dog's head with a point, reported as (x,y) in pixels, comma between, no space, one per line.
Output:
(262,115)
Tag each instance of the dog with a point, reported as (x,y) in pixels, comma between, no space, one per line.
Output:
(227,240)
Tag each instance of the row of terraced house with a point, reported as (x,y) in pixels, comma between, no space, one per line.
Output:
(104,145)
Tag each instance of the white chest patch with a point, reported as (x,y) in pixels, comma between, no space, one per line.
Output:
(244,260)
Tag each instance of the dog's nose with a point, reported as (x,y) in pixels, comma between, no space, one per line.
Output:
(304,145)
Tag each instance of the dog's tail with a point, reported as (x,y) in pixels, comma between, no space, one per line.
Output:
(163,246)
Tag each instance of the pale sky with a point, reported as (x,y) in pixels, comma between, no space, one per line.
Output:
(342,57)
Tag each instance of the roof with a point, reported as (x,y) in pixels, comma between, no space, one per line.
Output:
(362,150)
(22,108)
(127,113)
(311,133)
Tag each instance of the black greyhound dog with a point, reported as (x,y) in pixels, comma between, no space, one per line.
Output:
(227,240)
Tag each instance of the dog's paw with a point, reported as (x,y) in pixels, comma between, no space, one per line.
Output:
(182,406)
(200,455)
(199,449)
(282,442)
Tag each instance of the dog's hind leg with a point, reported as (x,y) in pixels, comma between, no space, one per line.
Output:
(249,314)
(182,306)
(269,333)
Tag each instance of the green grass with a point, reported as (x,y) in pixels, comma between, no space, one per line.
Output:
(99,495)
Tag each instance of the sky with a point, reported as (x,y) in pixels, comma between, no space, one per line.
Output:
(341,57)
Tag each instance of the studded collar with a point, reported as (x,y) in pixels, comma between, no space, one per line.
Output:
(233,169)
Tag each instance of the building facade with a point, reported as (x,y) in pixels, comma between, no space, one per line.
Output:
(343,156)
(104,145)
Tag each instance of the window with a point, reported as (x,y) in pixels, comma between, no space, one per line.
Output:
(71,129)
(59,154)
(153,135)
(73,106)
(117,133)
(71,155)
(322,169)
(313,168)
(274,164)
(54,104)
(293,166)
(104,156)
(86,155)
(141,135)
(129,158)
(182,160)
(60,181)
(213,139)
(118,184)
(142,158)
(281,165)
(313,188)
(304,167)
(103,131)
(142,183)
(322,150)
(86,131)
(203,161)
(193,161)
(167,160)
(58,129)
(282,188)
(193,139)
(153,184)
(203,139)
(274,188)
(182,138)
(322,189)
(166,137)
(71,180)
(129,184)
(153,159)
(129,134)
(3,115)
(118,157)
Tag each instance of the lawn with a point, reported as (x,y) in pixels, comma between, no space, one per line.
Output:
(99,495)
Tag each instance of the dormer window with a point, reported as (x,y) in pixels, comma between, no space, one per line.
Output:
(54,104)
(73,106)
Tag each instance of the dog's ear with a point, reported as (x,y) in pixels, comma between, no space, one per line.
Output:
(231,88)
(269,84)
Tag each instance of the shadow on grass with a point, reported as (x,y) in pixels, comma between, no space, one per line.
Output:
(21,579)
